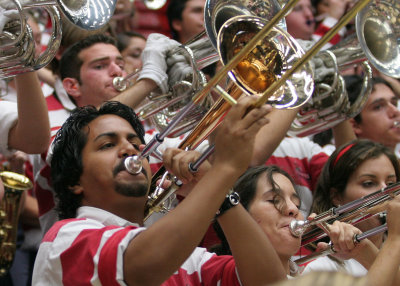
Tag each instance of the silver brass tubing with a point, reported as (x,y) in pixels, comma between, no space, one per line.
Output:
(193,167)
(297,228)
(357,239)
(379,229)
(135,163)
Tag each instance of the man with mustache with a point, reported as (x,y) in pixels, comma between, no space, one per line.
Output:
(87,70)
(102,239)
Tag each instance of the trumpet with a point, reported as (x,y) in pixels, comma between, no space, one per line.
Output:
(15,184)
(352,212)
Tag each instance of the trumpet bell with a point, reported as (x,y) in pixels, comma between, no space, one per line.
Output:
(378,30)
(271,58)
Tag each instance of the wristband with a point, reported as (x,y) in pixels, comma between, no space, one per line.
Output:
(232,199)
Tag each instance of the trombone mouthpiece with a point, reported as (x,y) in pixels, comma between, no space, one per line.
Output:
(133,165)
(119,83)
(297,227)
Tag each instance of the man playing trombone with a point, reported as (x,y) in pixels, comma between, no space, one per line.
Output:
(103,240)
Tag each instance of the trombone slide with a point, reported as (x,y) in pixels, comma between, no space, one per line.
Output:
(331,250)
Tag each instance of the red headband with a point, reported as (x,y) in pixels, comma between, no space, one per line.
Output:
(344,150)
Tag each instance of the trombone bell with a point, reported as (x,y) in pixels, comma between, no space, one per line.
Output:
(266,63)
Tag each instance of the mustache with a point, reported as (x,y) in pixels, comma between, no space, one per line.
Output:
(121,167)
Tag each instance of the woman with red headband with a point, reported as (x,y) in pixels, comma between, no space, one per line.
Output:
(354,171)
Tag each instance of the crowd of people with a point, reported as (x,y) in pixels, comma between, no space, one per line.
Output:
(69,129)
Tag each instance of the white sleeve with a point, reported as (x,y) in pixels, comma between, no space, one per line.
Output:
(8,119)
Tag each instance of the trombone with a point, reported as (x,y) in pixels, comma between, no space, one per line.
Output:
(331,250)
(352,212)
(15,184)
(134,163)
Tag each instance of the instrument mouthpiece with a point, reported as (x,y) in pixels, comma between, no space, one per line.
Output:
(133,165)
(297,227)
(119,83)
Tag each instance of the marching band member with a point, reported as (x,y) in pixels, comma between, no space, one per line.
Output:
(103,204)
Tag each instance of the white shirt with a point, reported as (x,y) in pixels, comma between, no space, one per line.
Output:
(351,266)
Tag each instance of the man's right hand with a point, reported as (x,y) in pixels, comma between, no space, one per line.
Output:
(234,141)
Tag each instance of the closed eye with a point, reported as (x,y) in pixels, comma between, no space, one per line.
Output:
(107,145)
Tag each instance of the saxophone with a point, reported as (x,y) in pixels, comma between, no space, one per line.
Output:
(14,186)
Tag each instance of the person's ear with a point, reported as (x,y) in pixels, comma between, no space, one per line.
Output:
(71,86)
(177,25)
(59,53)
(356,126)
(336,198)
(77,189)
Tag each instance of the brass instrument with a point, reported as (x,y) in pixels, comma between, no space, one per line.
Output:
(200,52)
(331,250)
(352,212)
(375,40)
(17,49)
(284,48)
(15,184)
(272,93)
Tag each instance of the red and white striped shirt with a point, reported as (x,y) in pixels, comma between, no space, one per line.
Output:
(59,107)
(89,250)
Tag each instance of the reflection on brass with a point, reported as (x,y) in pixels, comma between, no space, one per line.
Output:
(260,68)
(14,186)
(17,45)
(202,130)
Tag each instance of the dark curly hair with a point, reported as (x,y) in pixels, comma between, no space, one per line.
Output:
(66,162)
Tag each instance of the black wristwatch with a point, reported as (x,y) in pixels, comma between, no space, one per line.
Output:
(232,199)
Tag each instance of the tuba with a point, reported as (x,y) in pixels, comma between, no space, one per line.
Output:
(375,42)
(15,184)
(17,50)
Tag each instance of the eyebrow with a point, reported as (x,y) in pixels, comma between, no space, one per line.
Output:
(115,135)
(105,58)
(374,176)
